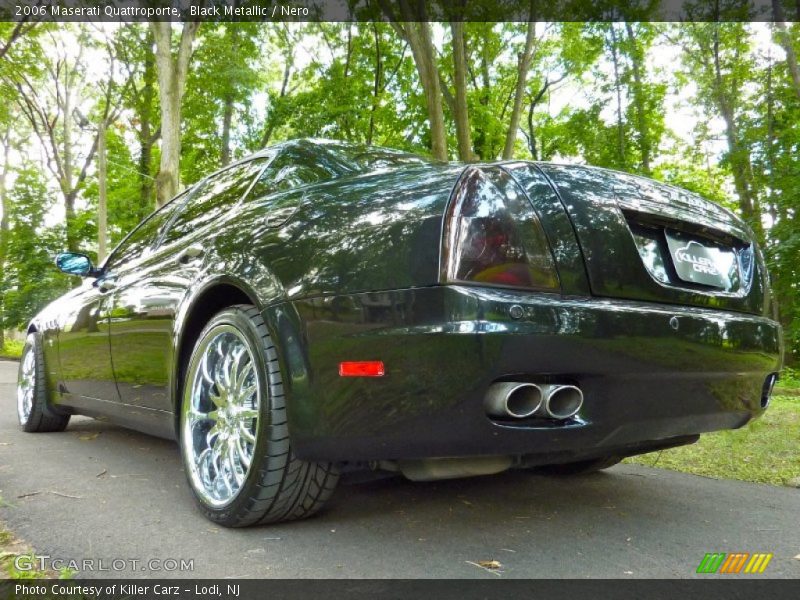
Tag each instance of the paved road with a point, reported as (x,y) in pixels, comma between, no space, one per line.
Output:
(101,492)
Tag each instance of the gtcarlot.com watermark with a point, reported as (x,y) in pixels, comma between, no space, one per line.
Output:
(44,562)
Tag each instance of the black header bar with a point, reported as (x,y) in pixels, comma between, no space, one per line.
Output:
(272,11)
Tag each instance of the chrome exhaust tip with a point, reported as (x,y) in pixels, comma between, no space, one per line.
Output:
(513,399)
(561,401)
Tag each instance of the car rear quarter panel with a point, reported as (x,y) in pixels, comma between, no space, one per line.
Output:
(372,232)
(320,244)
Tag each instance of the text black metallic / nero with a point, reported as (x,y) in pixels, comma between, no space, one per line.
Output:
(320,307)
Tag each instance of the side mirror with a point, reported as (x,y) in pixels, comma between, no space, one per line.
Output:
(73,263)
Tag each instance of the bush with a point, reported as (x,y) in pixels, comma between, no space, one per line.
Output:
(789,378)
(12,349)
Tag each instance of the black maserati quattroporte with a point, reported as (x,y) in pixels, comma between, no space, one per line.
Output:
(321,307)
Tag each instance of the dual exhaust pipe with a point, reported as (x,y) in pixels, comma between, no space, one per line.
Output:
(520,400)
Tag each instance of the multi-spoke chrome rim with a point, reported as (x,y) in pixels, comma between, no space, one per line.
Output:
(220,415)
(26,385)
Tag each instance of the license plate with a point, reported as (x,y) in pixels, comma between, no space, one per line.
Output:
(700,262)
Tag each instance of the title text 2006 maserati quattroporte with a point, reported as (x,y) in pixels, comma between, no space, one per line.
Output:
(321,307)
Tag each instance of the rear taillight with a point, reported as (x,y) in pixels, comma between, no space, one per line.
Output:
(493,236)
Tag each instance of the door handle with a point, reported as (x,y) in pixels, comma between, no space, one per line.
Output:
(191,252)
(107,284)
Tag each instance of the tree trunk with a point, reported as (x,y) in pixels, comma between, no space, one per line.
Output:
(618,87)
(785,40)
(145,133)
(69,210)
(276,111)
(773,208)
(487,149)
(523,66)
(5,143)
(532,133)
(66,152)
(638,100)
(738,154)
(227,117)
(168,178)
(376,88)
(419,39)
(232,31)
(102,205)
(415,29)
(742,169)
(534,103)
(145,180)
(460,109)
(172,71)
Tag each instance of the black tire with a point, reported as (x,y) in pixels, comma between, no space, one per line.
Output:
(579,468)
(41,418)
(277,486)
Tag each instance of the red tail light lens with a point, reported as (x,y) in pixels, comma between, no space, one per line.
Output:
(493,236)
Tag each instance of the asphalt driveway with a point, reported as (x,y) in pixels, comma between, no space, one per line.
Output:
(100,492)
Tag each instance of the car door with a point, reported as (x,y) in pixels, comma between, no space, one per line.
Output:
(131,255)
(150,290)
(84,353)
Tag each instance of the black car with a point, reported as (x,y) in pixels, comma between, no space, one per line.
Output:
(321,307)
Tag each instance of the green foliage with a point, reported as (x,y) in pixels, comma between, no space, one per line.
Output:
(226,74)
(11,349)
(351,89)
(134,45)
(684,166)
(774,131)
(789,379)
(30,281)
(125,207)
(623,125)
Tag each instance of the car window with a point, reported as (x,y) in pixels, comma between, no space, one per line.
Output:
(136,244)
(212,198)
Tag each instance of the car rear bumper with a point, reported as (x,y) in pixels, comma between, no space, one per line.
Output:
(651,374)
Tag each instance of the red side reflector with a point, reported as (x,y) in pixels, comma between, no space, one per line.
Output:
(368,368)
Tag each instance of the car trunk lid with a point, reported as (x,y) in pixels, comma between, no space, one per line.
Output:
(649,241)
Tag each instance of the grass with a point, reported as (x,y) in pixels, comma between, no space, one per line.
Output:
(763,451)
(789,382)
(11,349)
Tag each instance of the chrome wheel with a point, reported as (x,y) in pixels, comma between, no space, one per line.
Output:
(220,415)
(26,385)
